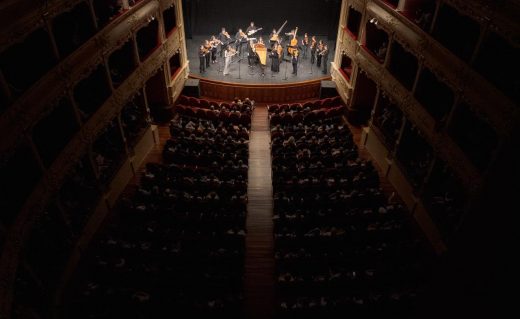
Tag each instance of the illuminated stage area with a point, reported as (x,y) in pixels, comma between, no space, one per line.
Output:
(290,20)
(240,72)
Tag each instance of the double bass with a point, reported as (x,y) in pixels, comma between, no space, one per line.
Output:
(294,43)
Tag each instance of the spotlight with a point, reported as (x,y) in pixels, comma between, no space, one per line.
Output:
(372,20)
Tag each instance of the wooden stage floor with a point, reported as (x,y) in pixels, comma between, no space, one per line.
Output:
(241,73)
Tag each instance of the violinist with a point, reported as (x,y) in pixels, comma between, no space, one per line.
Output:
(207,46)
(305,45)
(313,49)
(202,59)
(225,38)
(318,53)
(229,53)
(240,39)
(214,42)
(325,57)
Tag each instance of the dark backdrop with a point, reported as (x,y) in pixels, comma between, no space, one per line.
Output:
(317,17)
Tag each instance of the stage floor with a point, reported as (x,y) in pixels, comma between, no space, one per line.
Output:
(240,72)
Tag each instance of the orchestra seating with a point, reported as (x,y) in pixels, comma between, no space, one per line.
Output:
(176,245)
(341,247)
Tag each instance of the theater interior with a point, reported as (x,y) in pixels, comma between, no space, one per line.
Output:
(380,181)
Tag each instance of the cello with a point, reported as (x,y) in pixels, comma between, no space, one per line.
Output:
(294,43)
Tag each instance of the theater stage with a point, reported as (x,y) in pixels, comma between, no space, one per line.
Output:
(240,73)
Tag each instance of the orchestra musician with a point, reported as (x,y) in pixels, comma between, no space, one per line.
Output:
(261,44)
(325,58)
(273,38)
(294,61)
(224,38)
(318,53)
(305,45)
(228,53)
(251,29)
(279,49)
(202,59)
(292,33)
(207,46)
(313,49)
(214,42)
(240,39)
(293,44)
(275,59)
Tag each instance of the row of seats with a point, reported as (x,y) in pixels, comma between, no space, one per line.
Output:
(236,117)
(305,116)
(340,246)
(310,105)
(236,105)
(176,247)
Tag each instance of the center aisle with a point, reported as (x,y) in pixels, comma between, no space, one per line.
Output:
(259,264)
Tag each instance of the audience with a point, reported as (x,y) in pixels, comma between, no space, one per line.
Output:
(177,244)
(340,245)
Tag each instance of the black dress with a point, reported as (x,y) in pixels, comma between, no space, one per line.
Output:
(275,62)
(325,60)
(202,61)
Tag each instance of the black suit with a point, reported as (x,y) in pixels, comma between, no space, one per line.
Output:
(202,61)
(294,61)
(224,41)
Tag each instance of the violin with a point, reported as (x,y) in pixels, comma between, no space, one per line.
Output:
(215,42)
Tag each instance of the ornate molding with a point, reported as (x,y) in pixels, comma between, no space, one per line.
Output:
(56,174)
(27,110)
(495,107)
(358,5)
(500,16)
(15,27)
(440,141)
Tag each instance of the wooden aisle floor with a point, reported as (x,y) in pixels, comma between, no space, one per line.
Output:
(259,263)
